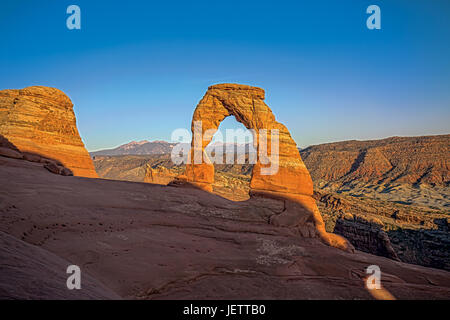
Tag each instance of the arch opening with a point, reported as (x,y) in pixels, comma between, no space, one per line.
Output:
(233,154)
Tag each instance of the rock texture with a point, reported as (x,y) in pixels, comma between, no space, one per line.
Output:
(367,235)
(158,175)
(409,218)
(291,181)
(411,234)
(33,273)
(410,160)
(40,121)
(10,153)
(7,149)
(146,241)
(229,181)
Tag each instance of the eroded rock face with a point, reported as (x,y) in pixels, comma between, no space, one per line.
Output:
(291,182)
(158,175)
(411,234)
(40,120)
(367,235)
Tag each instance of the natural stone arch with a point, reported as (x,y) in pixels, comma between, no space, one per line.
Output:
(292,182)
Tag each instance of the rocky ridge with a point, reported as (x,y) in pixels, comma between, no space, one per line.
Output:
(408,160)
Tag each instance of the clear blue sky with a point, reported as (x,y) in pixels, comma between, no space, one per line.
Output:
(137,69)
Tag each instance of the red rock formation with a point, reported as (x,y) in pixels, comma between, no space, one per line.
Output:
(291,182)
(40,120)
(158,175)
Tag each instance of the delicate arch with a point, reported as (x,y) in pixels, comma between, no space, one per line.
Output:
(291,182)
(247,105)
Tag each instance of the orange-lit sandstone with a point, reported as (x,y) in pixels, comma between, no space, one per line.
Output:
(40,121)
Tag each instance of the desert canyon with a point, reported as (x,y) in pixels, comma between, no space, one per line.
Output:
(205,231)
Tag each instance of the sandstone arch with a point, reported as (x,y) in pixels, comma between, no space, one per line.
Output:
(292,182)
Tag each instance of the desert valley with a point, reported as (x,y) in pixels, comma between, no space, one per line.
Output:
(141,227)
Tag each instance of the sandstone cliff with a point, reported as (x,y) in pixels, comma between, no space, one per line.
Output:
(40,120)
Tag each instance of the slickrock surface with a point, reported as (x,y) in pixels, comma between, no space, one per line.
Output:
(40,120)
(285,177)
(146,241)
(30,272)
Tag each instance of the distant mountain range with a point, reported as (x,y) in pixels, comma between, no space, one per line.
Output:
(143,147)
(146,147)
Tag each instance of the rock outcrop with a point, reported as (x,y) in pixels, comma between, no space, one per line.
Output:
(40,122)
(158,175)
(290,182)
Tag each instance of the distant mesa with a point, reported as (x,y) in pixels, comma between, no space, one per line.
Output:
(407,160)
(40,121)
